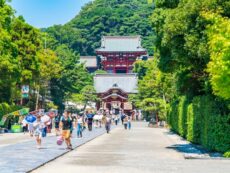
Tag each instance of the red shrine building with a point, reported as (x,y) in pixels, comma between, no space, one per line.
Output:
(117,55)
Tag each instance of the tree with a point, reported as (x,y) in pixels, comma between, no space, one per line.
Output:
(74,76)
(182,43)
(87,96)
(219,45)
(155,88)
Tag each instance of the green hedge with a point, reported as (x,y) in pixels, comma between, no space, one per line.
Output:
(201,122)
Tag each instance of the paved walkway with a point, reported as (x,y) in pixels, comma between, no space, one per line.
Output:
(141,150)
(23,156)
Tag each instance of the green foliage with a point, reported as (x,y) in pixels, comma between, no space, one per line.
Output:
(86,96)
(182,116)
(227,154)
(201,122)
(28,56)
(5,109)
(219,45)
(102,17)
(182,41)
(155,88)
(100,72)
(74,76)
(140,67)
(51,105)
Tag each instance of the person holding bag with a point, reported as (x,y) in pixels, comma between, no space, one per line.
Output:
(66,123)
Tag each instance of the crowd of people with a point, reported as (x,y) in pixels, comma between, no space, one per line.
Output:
(65,124)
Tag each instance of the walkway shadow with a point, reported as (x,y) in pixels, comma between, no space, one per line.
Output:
(187,149)
(192,151)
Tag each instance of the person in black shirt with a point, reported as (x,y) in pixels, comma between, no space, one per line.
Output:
(66,123)
(90,116)
(56,122)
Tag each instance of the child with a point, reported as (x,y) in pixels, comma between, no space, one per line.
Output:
(39,126)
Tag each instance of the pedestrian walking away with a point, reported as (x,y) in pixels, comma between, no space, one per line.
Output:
(125,121)
(129,122)
(116,119)
(65,128)
(24,127)
(108,121)
(90,120)
(79,125)
(56,124)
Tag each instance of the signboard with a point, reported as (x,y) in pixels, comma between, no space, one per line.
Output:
(128,106)
(25,91)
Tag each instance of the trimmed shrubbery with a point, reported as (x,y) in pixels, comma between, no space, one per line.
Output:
(200,121)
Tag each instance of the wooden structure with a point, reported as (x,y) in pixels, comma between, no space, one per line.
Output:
(117,55)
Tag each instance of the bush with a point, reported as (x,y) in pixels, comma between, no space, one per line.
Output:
(172,116)
(227,154)
(201,122)
(182,116)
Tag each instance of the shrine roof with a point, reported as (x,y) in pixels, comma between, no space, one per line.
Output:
(121,44)
(90,61)
(126,82)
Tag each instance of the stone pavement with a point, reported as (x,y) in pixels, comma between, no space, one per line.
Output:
(141,150)
(24,156)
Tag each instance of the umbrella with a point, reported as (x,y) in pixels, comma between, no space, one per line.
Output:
(45,118)
(30,118)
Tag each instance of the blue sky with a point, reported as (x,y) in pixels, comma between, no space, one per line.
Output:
(44,13)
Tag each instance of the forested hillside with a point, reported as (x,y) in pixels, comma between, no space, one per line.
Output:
(103,17)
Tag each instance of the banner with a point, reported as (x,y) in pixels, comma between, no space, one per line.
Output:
(24,111)
(16,113)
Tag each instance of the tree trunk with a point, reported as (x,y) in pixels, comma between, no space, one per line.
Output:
(37,99)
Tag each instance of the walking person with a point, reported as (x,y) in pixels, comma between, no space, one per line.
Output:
(100,119)
(24,127)
(65,128)
(39,127)
(56,124)
(122,118)
(116,119)
(108,121)
(129,122)
(125,121)
(31,129)
(79,125)
(90,121)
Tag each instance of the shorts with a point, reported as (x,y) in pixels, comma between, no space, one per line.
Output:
(66,134)
(56,125)
(38,133)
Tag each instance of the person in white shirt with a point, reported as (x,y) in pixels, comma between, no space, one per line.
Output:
(79,125)
(38,126)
